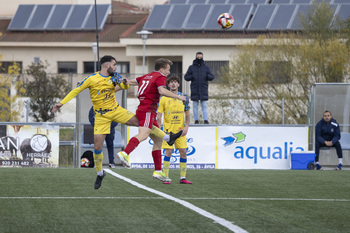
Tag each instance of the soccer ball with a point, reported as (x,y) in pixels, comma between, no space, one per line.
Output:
(38,142)
(85,162)
(225,21)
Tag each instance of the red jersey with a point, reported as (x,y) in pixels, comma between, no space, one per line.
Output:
(148,91)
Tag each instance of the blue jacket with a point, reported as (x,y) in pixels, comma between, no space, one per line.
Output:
(327,131)
(199,74)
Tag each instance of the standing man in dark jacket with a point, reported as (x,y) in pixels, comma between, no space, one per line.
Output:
(199,74)
(328,134)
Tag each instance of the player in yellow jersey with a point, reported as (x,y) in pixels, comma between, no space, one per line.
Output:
(102,86)
(176,118)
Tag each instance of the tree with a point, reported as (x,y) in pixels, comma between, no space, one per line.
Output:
(10,108)
(285,67)
(43,91)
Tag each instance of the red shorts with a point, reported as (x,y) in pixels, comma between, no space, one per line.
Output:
(147,119)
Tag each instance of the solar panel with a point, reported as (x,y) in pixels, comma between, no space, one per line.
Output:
(197,16)
(157,17)
(257,1)
(21,17)
(236,1)
(177,17)
(281,1)
(261,17)
(58,17)
(344,12)
(217,10)
(77,17)
(301,1)
(216,1)
(102,13)
(241,13)
(196,1)
(282,17)
(177,2)
(341,1)
(302,9)
(40,16)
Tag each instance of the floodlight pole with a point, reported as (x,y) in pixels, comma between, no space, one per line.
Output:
(97,44)
(94,51)
(144,36)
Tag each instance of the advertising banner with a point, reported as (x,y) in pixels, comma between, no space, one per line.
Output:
(29,146)
(259,147)
(201,153)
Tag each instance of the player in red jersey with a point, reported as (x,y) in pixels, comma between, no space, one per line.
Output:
(151,87)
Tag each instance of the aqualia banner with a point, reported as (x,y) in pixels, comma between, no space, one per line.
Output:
(259,147)
(201,154)
(29,146)
(231,147)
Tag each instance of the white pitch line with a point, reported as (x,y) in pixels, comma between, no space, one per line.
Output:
(216,219)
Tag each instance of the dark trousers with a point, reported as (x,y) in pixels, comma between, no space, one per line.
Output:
(336,145)
(109,141)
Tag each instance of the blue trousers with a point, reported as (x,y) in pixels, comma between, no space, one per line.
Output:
(204,110)
(336,145)
(109,141)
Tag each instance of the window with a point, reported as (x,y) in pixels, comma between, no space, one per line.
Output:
(273,72)
(215,68)
(89,67)
(4,66)
(67,67)
(123,67)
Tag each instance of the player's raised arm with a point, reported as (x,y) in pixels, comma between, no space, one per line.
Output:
(165,92)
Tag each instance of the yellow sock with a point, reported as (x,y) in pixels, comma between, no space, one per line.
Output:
(157,132)
(166,165)
(183,169)
(98,158)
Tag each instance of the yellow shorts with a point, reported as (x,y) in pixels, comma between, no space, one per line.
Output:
(180,143)
(103,122)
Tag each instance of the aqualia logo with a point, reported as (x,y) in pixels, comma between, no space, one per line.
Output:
(258,152)
(176,154)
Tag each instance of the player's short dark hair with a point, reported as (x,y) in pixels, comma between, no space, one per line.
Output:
(327,111)
(199,53)
(172,77)
(162,63)
(107,58)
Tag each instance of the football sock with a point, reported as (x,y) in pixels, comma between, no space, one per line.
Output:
(166,165)
(340,160)
(157,159)
(183,167)
(133,143)
(98,157)
(158,132)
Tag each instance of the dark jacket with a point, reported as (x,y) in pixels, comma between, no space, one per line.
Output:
(199,74)
(327,131)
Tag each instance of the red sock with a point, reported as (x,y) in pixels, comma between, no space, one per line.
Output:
(133,143)
(157,159)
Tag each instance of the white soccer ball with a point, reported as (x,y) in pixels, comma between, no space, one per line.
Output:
(225,21)
(85,162)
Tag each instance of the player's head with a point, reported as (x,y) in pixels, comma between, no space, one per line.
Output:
(108,63)
(173,82)
(163,66)
(327,116)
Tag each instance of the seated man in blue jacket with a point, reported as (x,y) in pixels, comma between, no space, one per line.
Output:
(109,137)
(328,134)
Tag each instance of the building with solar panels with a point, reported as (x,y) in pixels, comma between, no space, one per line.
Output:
(63,34)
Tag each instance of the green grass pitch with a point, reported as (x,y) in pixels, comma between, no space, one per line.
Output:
(64,200)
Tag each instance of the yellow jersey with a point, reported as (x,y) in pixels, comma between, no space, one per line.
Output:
(101,91)
(174,113)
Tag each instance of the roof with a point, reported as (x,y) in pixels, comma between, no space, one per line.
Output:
(124,21)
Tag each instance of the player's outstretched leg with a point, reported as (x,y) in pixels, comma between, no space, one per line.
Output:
(124,158)
(173,137)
